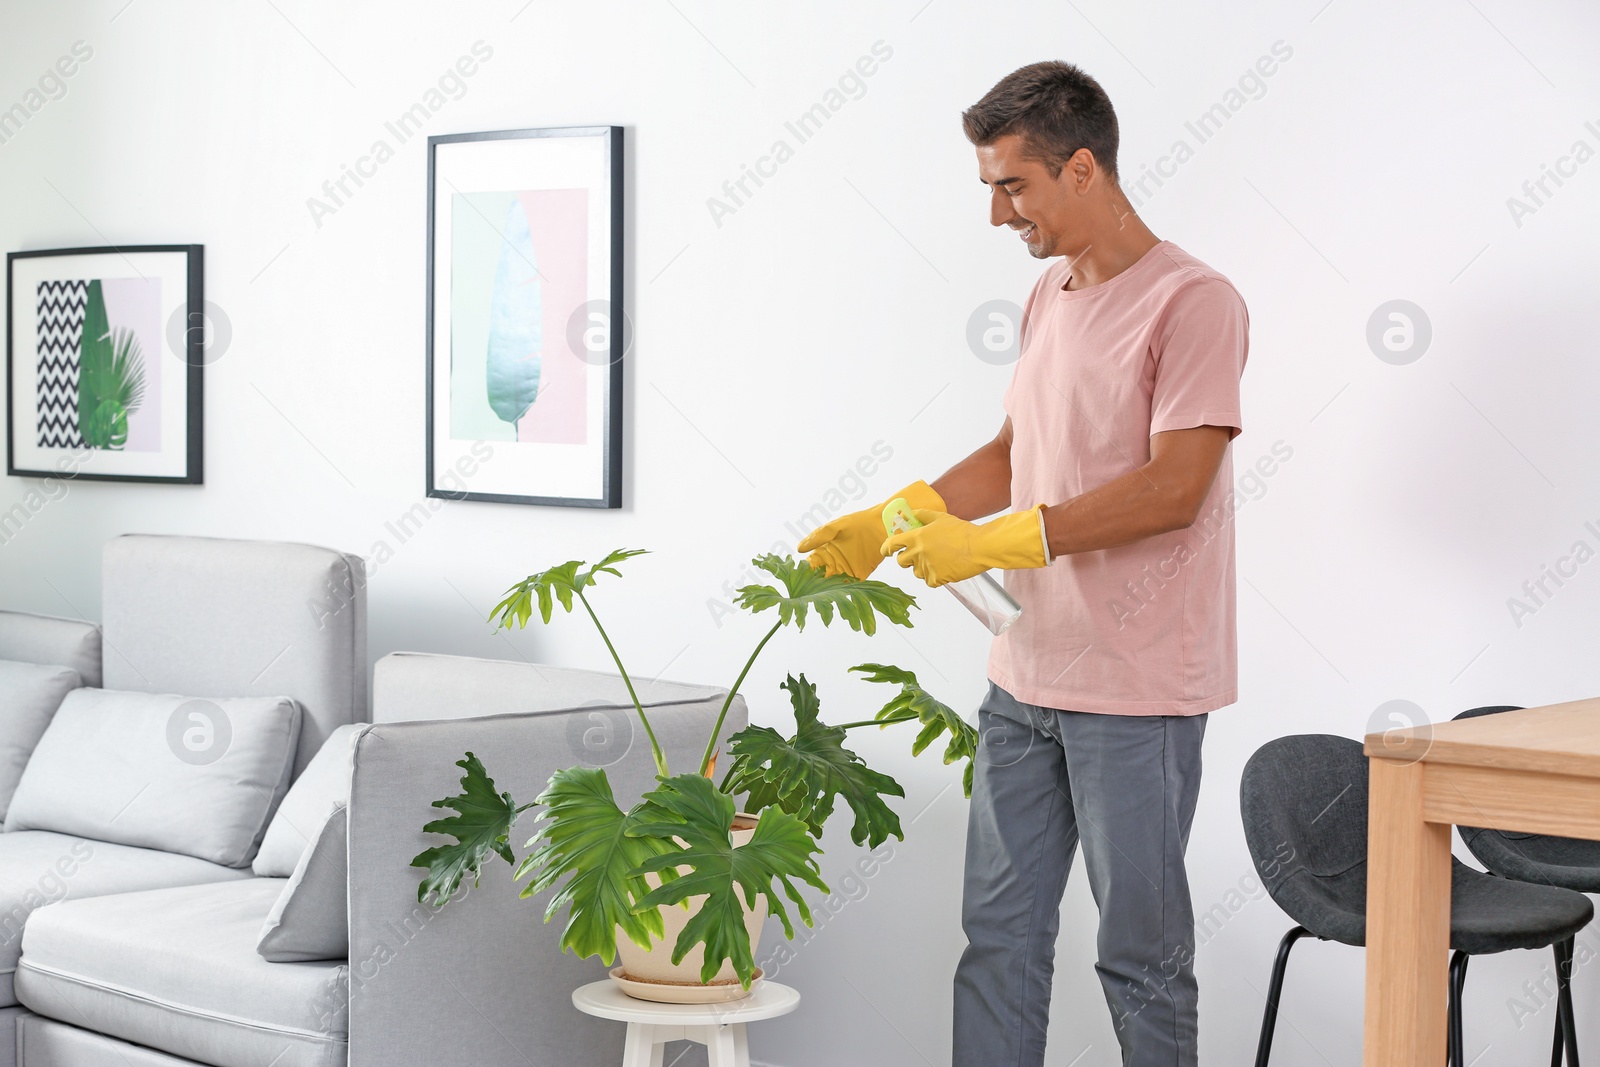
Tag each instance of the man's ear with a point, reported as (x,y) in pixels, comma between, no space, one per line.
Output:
(1081,169)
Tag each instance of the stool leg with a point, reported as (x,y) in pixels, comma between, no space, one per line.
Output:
(1564,1019)
(643,1047)
(726,1046)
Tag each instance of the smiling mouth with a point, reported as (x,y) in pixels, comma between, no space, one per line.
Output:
(1027,233)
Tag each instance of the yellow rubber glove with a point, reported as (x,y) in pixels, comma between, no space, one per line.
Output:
(946,549)
(849,544)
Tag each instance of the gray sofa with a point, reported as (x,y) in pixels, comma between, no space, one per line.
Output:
(199,617)
(171,972)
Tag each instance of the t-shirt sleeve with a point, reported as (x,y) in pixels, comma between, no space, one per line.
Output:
(1200,347)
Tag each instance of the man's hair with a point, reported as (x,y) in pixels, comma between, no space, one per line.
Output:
(1055,107)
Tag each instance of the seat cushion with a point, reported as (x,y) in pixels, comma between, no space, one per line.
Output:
(38,868)
(1487,914)
(44,1042)
(177,970)
(1569,862)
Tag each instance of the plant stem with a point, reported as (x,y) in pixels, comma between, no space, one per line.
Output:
(716,731)
(655,746)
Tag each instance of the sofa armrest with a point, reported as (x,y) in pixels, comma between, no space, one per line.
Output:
(483,980)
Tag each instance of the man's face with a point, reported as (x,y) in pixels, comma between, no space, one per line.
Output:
(1024,196)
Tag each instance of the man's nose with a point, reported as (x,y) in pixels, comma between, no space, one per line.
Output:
(1000,211)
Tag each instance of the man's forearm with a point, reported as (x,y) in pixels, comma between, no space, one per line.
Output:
(979,485)
(1120,512)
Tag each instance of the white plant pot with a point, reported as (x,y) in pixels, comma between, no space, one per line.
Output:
(650,974)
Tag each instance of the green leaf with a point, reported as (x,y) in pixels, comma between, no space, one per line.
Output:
(936,717)
(481,827)
(126,378)
(94,369)
(560,582)
(857,602)
(585,835)
(804,774)
(108,426)
(780,849)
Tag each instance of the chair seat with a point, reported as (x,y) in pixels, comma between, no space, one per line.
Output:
(1487,914)
(1568,862)
(38,867)
(177,970)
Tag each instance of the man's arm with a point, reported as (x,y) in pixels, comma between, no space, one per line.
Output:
(1163,495)
(980,484)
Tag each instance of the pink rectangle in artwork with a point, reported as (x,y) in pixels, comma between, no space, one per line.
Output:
(558,221)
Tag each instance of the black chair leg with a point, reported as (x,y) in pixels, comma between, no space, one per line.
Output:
(1458,984)
(1566,1032)
(1269,1021)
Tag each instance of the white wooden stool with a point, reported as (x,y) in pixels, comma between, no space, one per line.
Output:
(719,1027)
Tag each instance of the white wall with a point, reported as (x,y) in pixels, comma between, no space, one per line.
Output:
(829,313)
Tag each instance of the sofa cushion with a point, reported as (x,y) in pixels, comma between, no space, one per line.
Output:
(197,777)
(177,970)
(323,786)
(310,920)
(39,868)
(29,696)
(51,640)
(43,1042)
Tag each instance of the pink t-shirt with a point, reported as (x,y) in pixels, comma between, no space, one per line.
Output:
(1146,628)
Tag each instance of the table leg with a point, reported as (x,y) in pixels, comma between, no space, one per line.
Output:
(1408,922)
(644,1046)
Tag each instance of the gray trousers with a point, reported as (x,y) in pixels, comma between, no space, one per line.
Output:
(1125,786)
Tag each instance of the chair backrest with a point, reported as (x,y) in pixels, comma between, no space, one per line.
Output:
(52,641)
(1304,803)
(209,617)
(1473,713)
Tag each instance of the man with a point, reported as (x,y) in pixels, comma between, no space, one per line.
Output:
(1118,420)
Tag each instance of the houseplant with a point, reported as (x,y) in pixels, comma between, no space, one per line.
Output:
(623,869)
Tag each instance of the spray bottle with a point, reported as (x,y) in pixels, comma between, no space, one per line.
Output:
(980,594)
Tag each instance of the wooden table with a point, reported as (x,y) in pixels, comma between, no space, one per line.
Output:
(1536,770)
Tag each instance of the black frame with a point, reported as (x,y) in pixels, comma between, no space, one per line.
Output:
(611,485)
(194,357)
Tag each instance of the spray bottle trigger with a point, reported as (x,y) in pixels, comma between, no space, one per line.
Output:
(898,517)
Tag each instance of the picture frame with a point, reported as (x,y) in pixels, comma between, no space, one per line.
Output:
(126,405)
(525,321)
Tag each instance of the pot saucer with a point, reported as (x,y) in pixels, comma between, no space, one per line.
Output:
(683,992)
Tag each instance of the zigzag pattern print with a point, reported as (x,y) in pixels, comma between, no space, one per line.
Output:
(60,328)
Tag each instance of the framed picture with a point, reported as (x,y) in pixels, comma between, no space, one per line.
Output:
(103,369)
(526,332)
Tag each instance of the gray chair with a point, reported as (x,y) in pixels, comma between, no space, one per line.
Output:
(1304,804)
(1568,862)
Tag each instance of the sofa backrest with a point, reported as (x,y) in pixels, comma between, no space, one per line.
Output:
(484,981)
(52,641)
(417,685)
(202,616)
